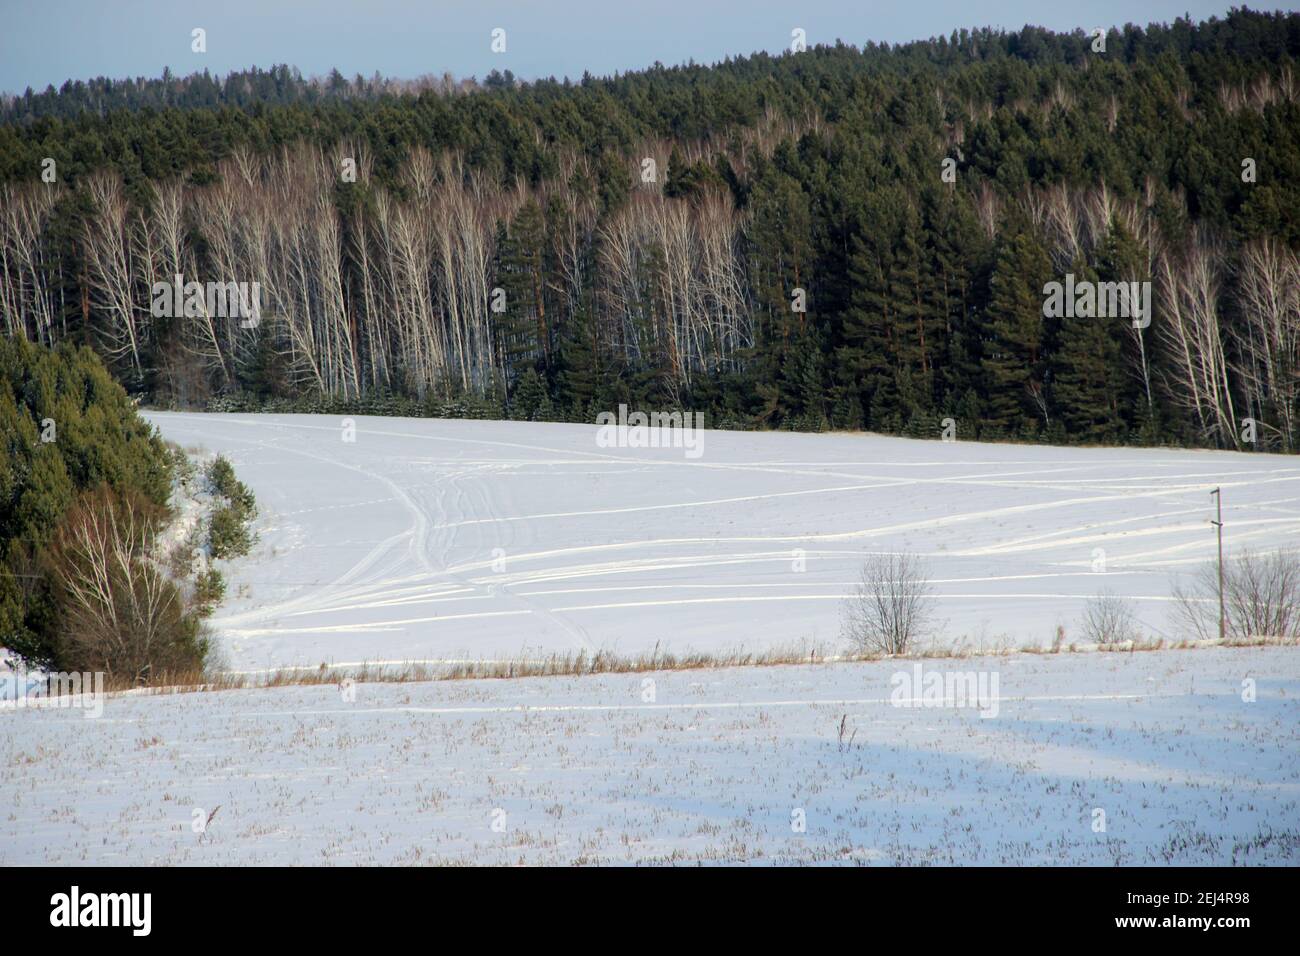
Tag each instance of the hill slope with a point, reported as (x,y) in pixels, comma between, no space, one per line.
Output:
(435,539)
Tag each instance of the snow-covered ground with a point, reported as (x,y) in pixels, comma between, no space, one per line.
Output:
(17,683)
(1130,759)
(426,539)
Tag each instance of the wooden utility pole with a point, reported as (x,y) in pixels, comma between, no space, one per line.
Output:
(1218,524)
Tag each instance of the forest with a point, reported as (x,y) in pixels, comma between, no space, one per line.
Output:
(845,237)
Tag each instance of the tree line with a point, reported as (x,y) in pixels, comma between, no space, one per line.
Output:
(837,238)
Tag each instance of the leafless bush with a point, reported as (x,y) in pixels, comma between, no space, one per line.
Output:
(892,607)
(119,613)
(1261,596)
(1109,619)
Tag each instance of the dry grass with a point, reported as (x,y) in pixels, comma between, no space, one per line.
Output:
(550,665)
(582,663)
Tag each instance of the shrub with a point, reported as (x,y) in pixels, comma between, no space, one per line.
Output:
(117,612)
(182,465)
(221,476)
(1261,595)
(65,429)
(892,607)
(84,490)
(228,534)
(209,589)
(1109,619)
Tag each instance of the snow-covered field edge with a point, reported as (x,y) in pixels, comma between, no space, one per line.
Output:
(1156,758)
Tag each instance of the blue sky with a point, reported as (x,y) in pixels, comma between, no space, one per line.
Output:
(49,41)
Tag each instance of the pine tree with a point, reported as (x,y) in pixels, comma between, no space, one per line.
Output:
(869,353)
(1123,259)
(579,370)
(916,328)
(1013,361)
(526,334)
(529,397)
(1086,376)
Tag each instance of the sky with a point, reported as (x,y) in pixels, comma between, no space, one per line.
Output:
(50,41)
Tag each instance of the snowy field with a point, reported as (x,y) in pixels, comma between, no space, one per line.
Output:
(427,539)
(727,765)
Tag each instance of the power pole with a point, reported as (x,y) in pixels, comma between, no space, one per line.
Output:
(1218,502)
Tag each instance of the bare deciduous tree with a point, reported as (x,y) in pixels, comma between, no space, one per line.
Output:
(1261,598)
(1109,619)
(892,607)
(1188,285)
(1268,338)
(109,260)
(122,615)
(26,301)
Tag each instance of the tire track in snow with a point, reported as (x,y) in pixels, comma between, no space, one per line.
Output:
(487,709)
(418,534)
(992,508)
